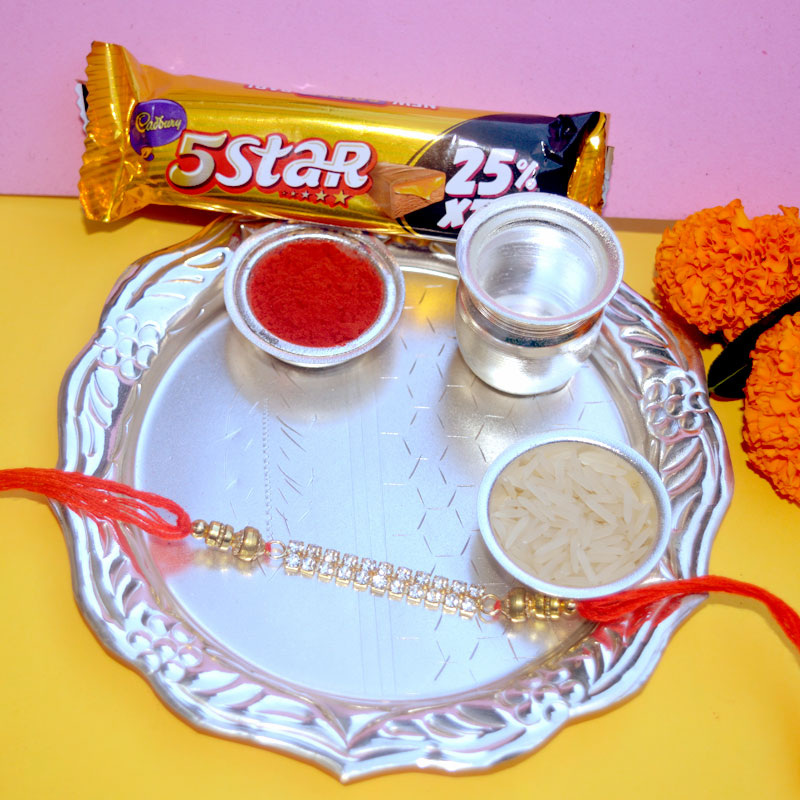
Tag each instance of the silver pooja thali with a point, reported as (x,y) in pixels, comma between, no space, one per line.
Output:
(379,457)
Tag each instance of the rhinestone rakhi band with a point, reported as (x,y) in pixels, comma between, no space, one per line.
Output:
(416,587)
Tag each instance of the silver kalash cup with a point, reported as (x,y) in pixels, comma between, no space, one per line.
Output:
(537,271)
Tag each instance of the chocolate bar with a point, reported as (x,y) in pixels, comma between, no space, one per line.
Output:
(154,137)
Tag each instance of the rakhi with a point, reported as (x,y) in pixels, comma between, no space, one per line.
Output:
(106,500)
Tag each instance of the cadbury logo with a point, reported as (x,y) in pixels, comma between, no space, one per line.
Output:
(144,122)
(155,123)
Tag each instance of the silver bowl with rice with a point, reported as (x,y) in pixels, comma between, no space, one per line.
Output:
(574,516)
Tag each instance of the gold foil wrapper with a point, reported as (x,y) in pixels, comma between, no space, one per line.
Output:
(154,137)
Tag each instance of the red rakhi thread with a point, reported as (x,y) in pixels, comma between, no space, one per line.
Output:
(102,499)
(639,601)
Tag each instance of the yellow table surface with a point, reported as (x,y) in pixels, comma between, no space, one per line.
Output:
(720,717)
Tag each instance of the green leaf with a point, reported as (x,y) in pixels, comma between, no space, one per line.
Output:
(729,371)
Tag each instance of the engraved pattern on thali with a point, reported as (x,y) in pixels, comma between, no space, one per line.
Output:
(138,622)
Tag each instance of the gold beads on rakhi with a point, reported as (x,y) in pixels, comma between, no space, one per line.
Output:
(521,604)
(246,544)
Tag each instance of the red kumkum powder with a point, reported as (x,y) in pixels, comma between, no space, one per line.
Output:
(314,293)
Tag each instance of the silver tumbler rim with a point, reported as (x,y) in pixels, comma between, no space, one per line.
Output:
(547,211)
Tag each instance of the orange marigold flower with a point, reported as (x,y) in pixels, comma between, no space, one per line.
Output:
(772,407)
(722,271)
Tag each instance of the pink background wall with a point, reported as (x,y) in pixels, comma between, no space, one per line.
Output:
(704,96)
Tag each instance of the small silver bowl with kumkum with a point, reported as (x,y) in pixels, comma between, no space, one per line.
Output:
(312,296)
(572,515)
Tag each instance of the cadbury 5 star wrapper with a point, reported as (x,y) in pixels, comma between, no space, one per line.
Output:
(153,137)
